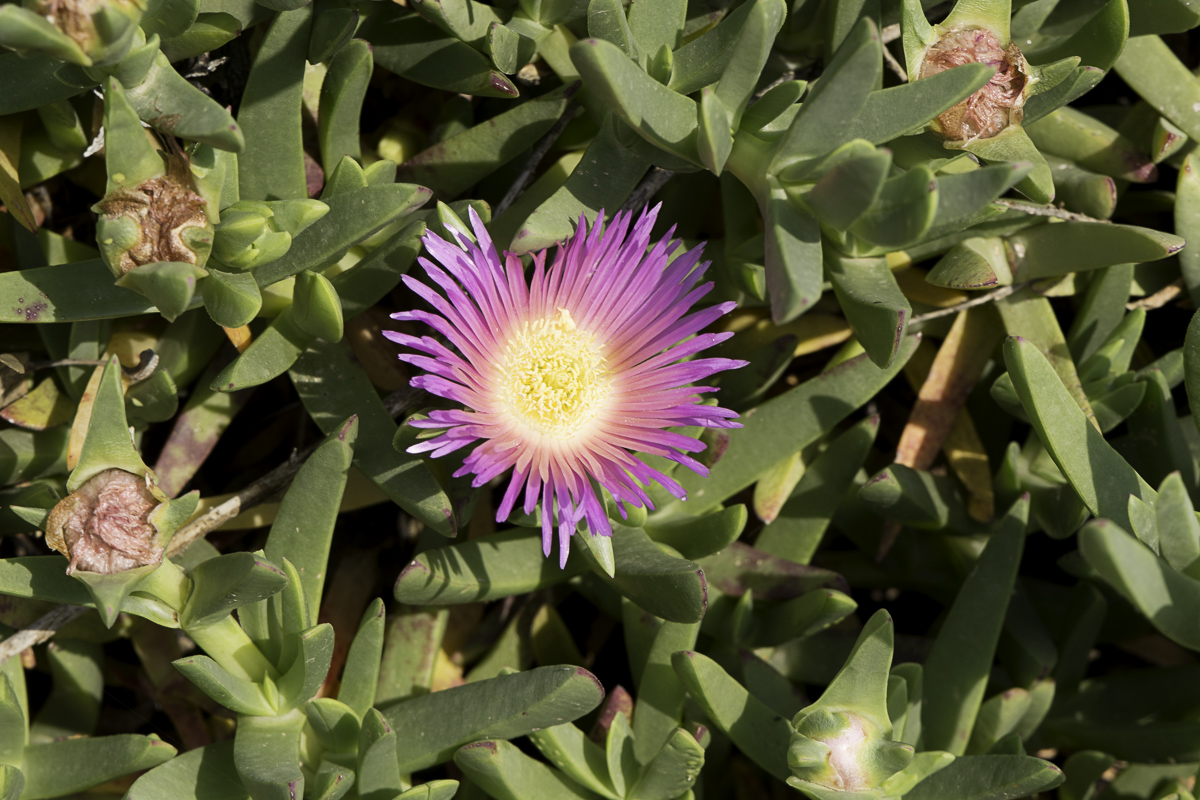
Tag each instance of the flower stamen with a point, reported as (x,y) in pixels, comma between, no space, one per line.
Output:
(554,378)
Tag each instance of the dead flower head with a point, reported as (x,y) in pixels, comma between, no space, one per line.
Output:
(170,217)
(994,107)
(103,526)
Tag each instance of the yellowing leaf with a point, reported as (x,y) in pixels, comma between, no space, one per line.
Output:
(10,181)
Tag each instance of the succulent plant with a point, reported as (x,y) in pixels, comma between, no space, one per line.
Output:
(920,522)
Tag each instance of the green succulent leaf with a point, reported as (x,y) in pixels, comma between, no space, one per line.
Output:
(840,97)
(506,773)
(499,708)
(964,649)
(758,732)
(266,753)
(1103,479)
(413,48)
(504,564)
(75,765)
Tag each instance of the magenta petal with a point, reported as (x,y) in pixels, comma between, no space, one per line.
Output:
(637,309)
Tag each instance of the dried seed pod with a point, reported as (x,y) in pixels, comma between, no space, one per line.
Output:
(103,29)
(103,526)
(999,103)
(161,219)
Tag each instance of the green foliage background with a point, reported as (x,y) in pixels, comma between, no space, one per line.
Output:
(953,554)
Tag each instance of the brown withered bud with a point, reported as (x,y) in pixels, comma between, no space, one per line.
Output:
(994,107)
(72,17)
(162,219)
(102,28)
(102,526)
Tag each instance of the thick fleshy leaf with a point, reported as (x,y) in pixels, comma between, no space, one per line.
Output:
(452,165)
(1167,598)
(361,673)
(827,118)
(353,216)
(308,672)
(270,355)
(793,254)
(108,444)
(505,773)
(917,498)
(207,773)
(73,705)
(789,422)
(1088,142)
(332,386)
(671,588)
(65,293)
(1157,74)
(236,694)
(962,196)
(169,285)
(703,60)
(266,752)
(1013,145)
(577,756)
(741,76)
(962,654)
(761,734)
(976,263)
(697,537)
(1096,36)
(503,564)
(210,31)
(315,308)
(74,765)
(602,179)
(845,193)
(1083,191)
(31,82)
(169,103)
(1187,221)
(903,212)
(804,517)
(1029,315)
(714,139)
(998,716)
(228,582)
(1102,310)
(1102,478)
(133,160)
(342,94)
(673,770)
(874,306)
(902,109)
(662,117)
(1159,446)
(991,777)
(500,708)
(232,299)
(415,49)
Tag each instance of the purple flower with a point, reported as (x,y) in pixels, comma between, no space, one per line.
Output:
(563,377)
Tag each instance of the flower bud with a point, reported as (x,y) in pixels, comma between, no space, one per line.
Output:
(843,742)
(104,525)
(253,232)
(845,751)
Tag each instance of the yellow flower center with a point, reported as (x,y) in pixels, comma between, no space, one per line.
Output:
(553,377)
